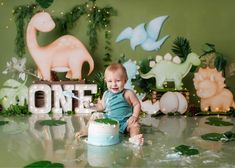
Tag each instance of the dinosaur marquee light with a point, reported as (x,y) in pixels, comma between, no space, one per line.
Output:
(210,87)
(66,54)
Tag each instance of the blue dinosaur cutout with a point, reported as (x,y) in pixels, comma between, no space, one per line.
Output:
(147,36)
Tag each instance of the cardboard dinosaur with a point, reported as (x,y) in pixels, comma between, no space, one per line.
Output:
(167,71)
(66,54)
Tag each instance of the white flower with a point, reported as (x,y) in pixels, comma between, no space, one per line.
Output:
(16,66)
(19,65)
(22,76)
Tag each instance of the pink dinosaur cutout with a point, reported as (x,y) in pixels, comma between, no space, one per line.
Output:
(66,54)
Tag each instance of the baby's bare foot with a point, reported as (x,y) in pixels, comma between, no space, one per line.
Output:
(81,133)
(137,139)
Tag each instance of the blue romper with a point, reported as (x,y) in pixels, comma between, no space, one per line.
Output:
(116,107)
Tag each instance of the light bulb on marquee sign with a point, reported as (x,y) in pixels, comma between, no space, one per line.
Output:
(60,101)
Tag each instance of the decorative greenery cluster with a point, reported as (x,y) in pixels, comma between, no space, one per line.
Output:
(219,60)
(98,18)
(144,85)
(16,110)
(98,79)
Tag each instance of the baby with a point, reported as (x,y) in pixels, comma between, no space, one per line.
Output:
(121,104)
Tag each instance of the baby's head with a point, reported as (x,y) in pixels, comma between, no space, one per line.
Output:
(115,76)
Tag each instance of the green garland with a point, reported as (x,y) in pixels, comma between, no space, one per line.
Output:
(21,13)
(98,18)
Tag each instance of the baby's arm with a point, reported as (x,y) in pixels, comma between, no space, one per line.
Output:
(134,101)
(100,106)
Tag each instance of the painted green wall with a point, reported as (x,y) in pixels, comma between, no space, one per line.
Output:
(199,21)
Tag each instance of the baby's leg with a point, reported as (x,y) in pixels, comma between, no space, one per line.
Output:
(84,127)
(135,136)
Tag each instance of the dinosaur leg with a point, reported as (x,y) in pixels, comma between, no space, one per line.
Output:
(178,83)
(69,74)
(46,73)
(39,74)
(76,70)
(204,106)
(159,82)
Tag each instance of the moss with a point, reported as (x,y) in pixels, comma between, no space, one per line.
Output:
(106,121)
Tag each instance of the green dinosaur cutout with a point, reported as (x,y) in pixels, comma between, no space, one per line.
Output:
(167,71)
(13,93)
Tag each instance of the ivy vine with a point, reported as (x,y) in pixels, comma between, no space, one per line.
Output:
(21,14)
(98,19)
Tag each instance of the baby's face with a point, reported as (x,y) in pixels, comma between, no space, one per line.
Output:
(115,81)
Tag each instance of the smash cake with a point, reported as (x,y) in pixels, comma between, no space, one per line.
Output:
(103,132)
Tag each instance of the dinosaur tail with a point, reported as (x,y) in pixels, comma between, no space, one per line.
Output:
(148,75)
(91,65)
(233,105)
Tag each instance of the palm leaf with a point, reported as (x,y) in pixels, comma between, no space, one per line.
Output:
(181,47)
(99,80)
(45,3)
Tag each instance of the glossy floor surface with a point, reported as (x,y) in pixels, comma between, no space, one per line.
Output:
(23,141)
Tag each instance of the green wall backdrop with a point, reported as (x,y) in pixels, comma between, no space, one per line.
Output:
(200,21)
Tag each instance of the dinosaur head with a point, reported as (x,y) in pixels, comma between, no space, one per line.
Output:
(43,22)
(194,59)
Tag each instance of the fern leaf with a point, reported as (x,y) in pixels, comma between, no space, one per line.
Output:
(181,47)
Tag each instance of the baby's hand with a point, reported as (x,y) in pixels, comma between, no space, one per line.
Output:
(88,104)
(132,120)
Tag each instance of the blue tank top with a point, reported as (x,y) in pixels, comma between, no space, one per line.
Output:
(116,107)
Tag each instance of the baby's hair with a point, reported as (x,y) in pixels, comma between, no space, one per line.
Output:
(114,67)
